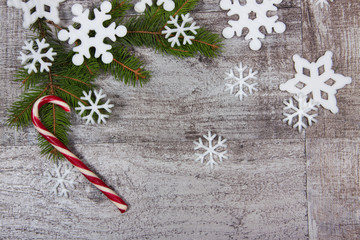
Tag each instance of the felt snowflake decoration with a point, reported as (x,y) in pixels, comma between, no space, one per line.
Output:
(96,26)
(322,2)
(140,6)
(35,9)
(39,54)
(241,82)
(180,30)
(61,178)
(252,15)
(317,79)
(304,112)
(95,107)
(212,150)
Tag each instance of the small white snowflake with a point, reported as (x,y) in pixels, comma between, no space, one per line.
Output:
(35,9)
(140,6)
(211,149)
(36,54)
(252,15)
(241,82)
(322,2)
(62,178)
(87,26)
(317,79)
(305,110)
(94,107)
(180,30)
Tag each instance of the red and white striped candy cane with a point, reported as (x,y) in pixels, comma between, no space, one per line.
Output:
(114,198)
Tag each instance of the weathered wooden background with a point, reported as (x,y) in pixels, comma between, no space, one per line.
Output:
(276,183)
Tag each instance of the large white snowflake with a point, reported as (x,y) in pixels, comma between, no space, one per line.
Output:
(180,30)
(317,79)
(322,2)
(95,107)
(34,9)
(61,178)
(252,15)
(241,83)
(92,26)
(36,54)
(211,150)
(301,112)
(140,6)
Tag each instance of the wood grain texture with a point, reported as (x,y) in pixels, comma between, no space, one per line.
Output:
(275,184)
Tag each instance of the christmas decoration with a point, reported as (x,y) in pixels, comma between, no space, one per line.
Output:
(86,26)
(179,30)
(322,2)
(92,177)
(61,178)
(303,110)
(252,15)
(36,55)
(317,79)
(140,6)
(211,150)
(101,39)
(241,83)
(35,9)
(94,107)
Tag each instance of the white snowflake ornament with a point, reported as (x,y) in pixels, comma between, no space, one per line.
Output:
(92,25)
(140,6)
(35,9)
(318,79)
(61,178)
(180,30)
(241,82)
(211,150)
(322,2)
(95,107)
(252,15)
(304,112)
(35,55)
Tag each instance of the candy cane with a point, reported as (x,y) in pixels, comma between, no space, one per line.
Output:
(114,198)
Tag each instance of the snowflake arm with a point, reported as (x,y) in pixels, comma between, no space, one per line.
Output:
(180,30)
(320,80)
(61,178)
(94,107)
(304,111)
(241,82)
(88,25)
(140,6)
(252,16)
(210,150)
(36,55)
(35,9)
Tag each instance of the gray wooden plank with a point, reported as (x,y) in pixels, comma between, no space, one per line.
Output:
(332,145)
(171,196)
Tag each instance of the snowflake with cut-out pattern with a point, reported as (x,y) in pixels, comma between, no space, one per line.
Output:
(317,79)
(61,178)
(35,9)
(241,82)
(322,3)
(88,26)
(212,150)
(94,106)
(252,15)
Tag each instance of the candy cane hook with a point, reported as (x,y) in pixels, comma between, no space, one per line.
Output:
(113,197)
